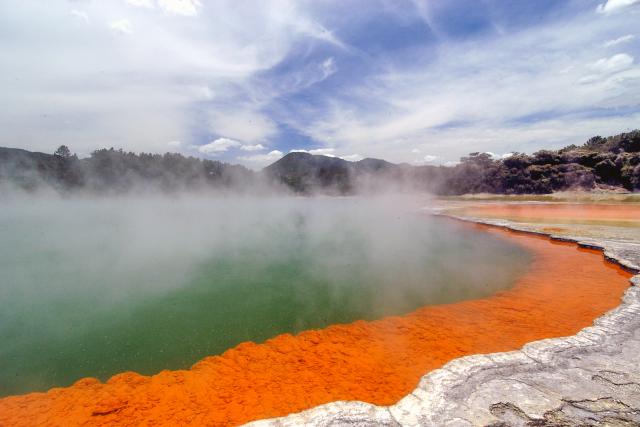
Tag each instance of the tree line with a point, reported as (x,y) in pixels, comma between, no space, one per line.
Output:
(608,163)
(118,171)
(612,162)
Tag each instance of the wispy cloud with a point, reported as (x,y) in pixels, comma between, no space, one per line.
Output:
(260,160)
(615,63)
(79,14)
(611,6)
(149,4)
(329,152)
(244,125)
(218,146)
(175,7)
(255,147)
(619,40)
(121,26)
(429,158)
(180,7)
(605,68)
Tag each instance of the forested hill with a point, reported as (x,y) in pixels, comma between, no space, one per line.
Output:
(610,163)
(117,171)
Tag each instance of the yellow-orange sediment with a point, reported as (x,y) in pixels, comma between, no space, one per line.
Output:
(564,290)
(553,211)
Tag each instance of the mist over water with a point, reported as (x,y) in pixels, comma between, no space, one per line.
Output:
(96,286)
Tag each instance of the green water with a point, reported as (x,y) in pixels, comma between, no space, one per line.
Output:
(96,287)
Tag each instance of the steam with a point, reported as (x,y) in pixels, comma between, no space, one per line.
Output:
(121,246)
(92,286)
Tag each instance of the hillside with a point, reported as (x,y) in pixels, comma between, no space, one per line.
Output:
(304,172)
(611,163)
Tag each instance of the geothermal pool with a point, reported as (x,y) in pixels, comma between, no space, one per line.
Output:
(91,288)
(561,290)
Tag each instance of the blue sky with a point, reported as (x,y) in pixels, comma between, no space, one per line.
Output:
(417,81)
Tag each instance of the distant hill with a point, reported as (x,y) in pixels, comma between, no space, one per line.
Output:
(611,163)
(28,169)
(117,171)
(304,172)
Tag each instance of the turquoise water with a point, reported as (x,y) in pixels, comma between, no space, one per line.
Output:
(96,287)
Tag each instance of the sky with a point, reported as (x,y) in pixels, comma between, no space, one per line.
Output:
(416,81)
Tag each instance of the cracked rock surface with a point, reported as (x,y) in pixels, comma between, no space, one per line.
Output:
(589,379)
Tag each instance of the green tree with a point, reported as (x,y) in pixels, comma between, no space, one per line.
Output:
(63,152)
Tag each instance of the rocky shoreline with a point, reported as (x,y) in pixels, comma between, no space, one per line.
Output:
(589,379)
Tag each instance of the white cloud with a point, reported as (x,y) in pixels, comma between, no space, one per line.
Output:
(180,7)
(499,156)
(328,67)
(174,144)
(429,158)
(255,147)
(619,40)
(415,151)
(121,26)
(262,159)
(141,3)
(218,146)
(294,80)
(610,6)
(81,15)
(611,72)
(307,26)
(329,152)
(613,64)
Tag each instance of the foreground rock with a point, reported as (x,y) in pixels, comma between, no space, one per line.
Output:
(589,379)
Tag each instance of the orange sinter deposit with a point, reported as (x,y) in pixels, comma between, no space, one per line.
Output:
(552,212)
(565,289)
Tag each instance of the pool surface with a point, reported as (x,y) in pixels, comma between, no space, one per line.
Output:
(97,287)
